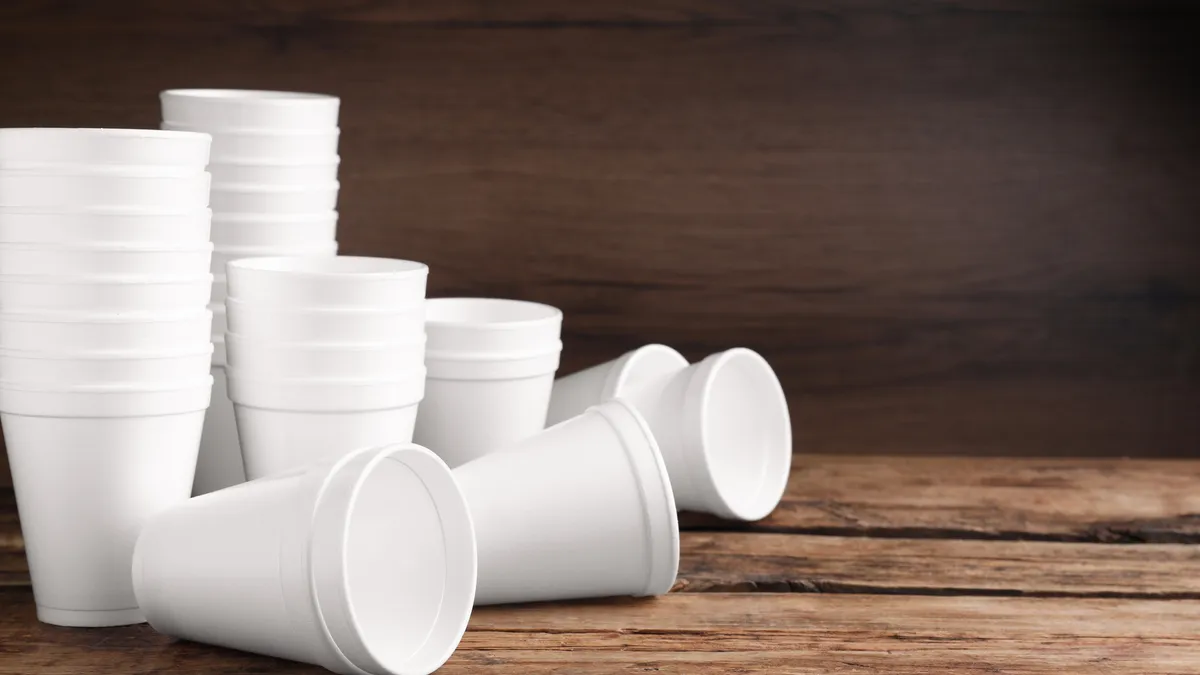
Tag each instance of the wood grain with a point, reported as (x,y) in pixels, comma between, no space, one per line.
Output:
(706,633)
(1098,500)
(958,226)
(773,563)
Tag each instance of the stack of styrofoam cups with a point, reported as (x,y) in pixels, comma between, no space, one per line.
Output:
(274,168)
(363,564)
(491,365)
(582,509)
(325,356)
(723,423)
(104,349)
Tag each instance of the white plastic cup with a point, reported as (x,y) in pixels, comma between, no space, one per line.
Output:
(583,509)
(89,468)
(477,326)
(130,147)
(265,172)
(145,189)
(473,407)
(344,326)
(341,282)
(91,294)
(246,198)
(141,367)
(265,230)
(84,258)
(115,226)
(219,464)
(579,391)
(242,145)
(264,358)
(240,108)
(71,332)
(286,423)
(362,565)
(225,253)
(725,433)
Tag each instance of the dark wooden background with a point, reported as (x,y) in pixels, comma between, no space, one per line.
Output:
(953,226)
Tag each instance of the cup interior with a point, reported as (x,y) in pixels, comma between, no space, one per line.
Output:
(333,266)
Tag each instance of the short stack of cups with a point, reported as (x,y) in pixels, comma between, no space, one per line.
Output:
(491,365)
(325,356)
(722,424)
(274,171)
(104,349)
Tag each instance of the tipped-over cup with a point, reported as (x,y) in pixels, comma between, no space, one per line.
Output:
(341,282)
(44,146)
(364,564)
(284,423)
(725,433)
(90,466)
(583,509)
(579,391)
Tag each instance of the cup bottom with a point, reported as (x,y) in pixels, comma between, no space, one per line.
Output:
(90,618)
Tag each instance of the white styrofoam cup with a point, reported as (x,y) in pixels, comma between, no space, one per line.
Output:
(144,189)
(341,282)
(725,433)
(582,509)
(104,293)
(116,226)
(579,391)
(39,146)
(243,145)
(363,564)
(218,109)
(89,468)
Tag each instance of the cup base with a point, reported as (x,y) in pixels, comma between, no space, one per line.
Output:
(90,618)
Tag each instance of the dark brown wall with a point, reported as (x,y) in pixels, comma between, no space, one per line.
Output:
(952,226)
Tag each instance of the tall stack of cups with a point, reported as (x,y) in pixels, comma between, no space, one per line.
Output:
(325,356)
(104,349)
(491,365)
(274,171)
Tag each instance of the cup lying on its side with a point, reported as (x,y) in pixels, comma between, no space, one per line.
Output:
(90,466)
(361,564)
(582,509)
(722,424)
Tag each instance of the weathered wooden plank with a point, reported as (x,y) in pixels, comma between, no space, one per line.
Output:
(758,562)
(705,633)
(1102,500)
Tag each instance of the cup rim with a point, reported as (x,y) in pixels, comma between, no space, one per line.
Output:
(132,317)
(340,267)
(544,314)
(111,388)
(104,279)
(243,132)
(109,247)
(253,96)
(105,212)
(330,311)
(110,355)
(648,360)
(106,132)
(127,172)
(305,346)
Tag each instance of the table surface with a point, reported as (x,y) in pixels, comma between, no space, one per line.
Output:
(871,564)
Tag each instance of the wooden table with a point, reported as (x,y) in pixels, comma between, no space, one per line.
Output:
(872,564)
